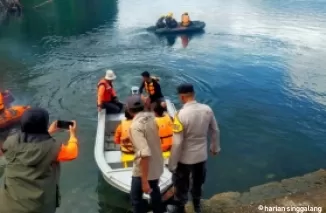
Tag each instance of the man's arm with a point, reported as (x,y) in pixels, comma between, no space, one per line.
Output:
(157,87)
(114,93)
(141,88)
(176,149)
(214,134)
(140,143)
(70,151)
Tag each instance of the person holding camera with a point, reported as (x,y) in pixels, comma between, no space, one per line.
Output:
(32,169)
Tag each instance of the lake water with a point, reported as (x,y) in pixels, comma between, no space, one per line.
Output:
(260,65)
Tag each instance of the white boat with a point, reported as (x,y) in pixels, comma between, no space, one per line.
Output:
(115,166)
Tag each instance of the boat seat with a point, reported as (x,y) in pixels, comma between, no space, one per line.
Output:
(130,157)
(123,160)
(112,156)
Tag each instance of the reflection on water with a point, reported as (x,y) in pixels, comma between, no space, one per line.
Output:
(184,39)
(259,65)
(119,203)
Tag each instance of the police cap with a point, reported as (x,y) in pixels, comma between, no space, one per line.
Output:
(185,88)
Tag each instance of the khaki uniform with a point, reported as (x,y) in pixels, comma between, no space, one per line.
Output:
(192,124)
(144,135)
(145,138)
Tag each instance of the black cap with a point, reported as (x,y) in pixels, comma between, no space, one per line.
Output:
(145,74)
(185,88)
(134,102)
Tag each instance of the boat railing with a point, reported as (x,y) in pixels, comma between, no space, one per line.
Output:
(99,143)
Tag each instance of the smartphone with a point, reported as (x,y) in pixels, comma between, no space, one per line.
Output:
(64,124)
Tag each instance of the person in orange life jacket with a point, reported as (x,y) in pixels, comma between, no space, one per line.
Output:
(185,20)
(164,122)
(7,98)
(106,95)
(153,90)
(121,135)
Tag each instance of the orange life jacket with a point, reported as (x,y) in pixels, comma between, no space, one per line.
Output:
(165,131)
(149,87)
(109,91)
(185,20)
(125,144)
(2,102)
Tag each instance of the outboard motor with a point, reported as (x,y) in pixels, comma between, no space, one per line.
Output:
(134,90)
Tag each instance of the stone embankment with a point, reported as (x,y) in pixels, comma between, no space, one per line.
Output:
(298,195)
(306,193)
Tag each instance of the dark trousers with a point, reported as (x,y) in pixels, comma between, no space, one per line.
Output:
(112,107)
(137,196)
(186,173)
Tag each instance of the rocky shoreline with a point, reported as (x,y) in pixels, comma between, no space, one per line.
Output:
(299,194)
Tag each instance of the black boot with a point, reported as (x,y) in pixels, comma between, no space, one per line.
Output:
(176,209)
(197,205)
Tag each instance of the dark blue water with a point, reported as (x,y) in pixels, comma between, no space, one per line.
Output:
(260,65)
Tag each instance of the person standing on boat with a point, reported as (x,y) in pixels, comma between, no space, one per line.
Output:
(148,163)
(189,149)
(107,96)
(32,168)
(153,89)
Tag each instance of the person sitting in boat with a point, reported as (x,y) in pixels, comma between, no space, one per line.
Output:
(170,21)
(106,94)
(185,20)
(121,135)
(161,22)
(153,90)
(165,125)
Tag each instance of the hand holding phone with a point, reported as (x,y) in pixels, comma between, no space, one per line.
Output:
(61,124)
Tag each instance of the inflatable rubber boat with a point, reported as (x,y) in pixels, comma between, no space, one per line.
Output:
(196,26)
(12,114)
